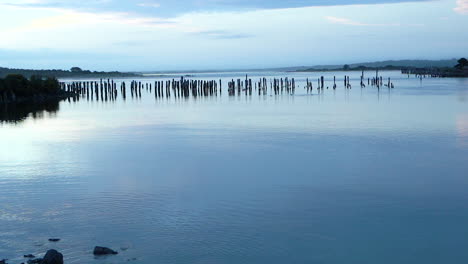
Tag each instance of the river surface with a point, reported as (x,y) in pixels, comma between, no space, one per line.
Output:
(344,176)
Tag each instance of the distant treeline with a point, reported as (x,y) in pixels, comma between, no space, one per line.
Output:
(74,72)
(379,64)
(16,87)
(459,70)
(357,68)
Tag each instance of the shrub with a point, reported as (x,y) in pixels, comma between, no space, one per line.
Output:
(21,86)
(2,86)
(462,63)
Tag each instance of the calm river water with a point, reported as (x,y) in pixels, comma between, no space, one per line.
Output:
(346,176)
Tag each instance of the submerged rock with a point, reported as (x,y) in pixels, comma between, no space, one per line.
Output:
(54,239)
(29,256)
(35,261)
(99,251)
(52,257)
(124,248)
(3,261)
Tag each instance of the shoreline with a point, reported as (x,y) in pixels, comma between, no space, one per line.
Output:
(437,72)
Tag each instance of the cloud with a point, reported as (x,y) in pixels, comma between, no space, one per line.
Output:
(55,3)
(344,21)
(144,37)
(24,2)
(349,22)
(222,34)
(462,7)
(154,5)
(70,17)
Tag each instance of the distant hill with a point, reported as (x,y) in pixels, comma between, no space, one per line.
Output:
(74,72)
(383,64)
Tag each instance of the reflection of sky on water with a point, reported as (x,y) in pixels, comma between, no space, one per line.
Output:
(462,130)
(236,180)
(411,110)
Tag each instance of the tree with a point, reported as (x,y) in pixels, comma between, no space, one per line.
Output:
(76,69)
(51,86)
(462,63)
(2,86)
(18,84)
(346,67)
(36,83)
(47,85)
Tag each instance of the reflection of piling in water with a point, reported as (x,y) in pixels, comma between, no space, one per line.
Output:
(362,79)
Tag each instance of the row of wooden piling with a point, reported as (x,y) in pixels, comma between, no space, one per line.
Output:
(376,81)
(277,86)
(107,90)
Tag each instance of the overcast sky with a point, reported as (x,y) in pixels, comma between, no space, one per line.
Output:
(137,35)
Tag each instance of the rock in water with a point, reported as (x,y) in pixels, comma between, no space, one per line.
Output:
(35,261)
(54,239)
(29,256)
(53,257)
(99,251)
(3,261)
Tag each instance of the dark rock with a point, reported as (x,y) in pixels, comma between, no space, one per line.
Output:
(53,257)
(3,261)
(54,239)
(35,261)
(99,251)
(29,256)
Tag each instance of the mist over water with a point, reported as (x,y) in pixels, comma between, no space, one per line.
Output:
(344,176)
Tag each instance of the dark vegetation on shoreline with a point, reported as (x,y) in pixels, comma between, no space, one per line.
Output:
(438,72)
(74,72)
(15,88)
(458,71)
